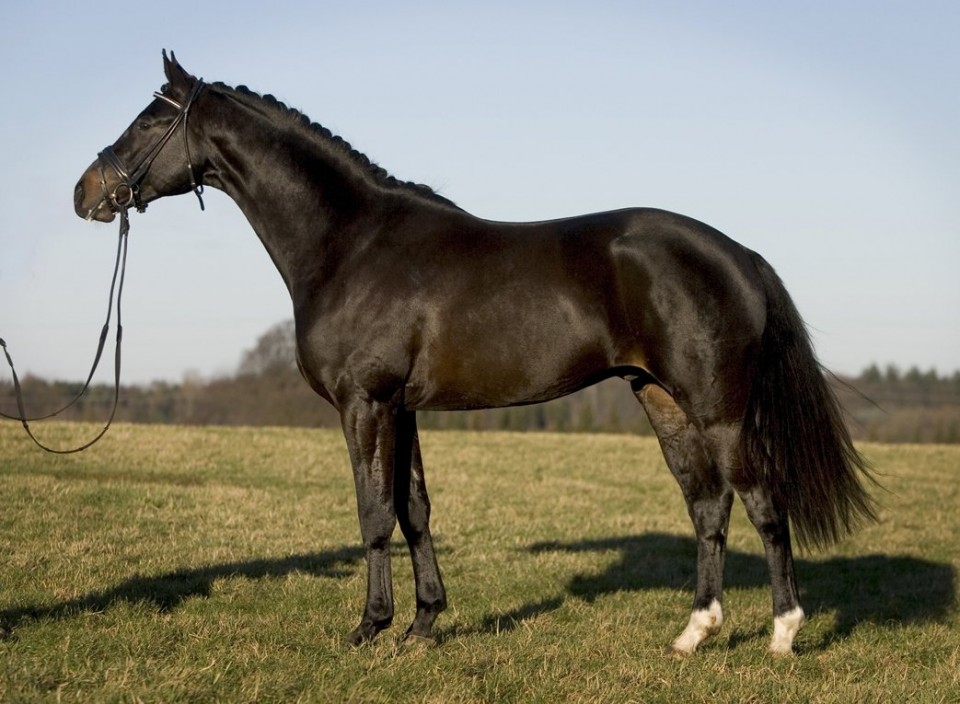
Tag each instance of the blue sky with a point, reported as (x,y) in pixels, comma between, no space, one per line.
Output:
(821,134)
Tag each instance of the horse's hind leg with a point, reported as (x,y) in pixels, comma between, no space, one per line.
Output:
(772,523)
(708,498)
(413,513)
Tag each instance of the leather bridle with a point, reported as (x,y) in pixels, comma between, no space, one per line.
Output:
(127,191)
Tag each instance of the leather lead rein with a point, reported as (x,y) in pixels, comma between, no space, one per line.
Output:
(119,268)
(118,201)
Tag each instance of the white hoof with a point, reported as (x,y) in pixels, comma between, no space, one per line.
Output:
(785,628)
(703,624)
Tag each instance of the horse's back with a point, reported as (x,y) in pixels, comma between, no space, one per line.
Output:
(524,312)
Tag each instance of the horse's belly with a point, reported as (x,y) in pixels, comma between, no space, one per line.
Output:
(496,367)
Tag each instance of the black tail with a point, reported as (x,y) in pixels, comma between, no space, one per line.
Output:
(794,437)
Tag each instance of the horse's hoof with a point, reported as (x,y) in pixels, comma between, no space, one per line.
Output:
(672,651)
(358,636)
(353,639)
(413,641)
(365,632)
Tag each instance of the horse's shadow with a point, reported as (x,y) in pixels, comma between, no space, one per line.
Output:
(166,592)
(877,589)
(873,588)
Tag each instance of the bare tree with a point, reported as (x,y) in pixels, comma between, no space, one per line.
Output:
(274,352)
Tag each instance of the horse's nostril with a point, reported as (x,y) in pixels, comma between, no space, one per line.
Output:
(78,194)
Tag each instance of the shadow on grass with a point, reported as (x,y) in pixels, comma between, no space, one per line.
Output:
(166,592)
(877,589)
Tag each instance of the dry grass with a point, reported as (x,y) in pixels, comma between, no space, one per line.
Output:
(184,564)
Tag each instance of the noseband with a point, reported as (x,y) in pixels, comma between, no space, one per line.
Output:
(127,191)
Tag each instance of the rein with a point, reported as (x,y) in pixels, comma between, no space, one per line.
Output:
(119,268)
(124,194)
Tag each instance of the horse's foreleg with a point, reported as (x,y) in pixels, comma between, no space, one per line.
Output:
(370,431)
(708,498)
(413,514)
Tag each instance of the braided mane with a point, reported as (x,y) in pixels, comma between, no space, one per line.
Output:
(379,174)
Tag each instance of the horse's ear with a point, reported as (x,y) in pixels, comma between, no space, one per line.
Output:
(178,78)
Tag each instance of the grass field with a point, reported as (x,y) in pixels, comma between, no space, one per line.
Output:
(209,564)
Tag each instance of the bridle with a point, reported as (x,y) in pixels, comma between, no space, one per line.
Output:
(127,191)
(124,194)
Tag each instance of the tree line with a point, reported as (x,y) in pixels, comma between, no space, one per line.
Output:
(885,405)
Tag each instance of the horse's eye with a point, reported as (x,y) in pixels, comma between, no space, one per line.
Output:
(143,125)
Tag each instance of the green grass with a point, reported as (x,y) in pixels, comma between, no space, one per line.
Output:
(210,564)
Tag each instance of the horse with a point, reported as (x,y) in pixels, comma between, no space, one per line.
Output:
(404,302)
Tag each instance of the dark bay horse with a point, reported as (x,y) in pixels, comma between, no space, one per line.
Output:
(404,302)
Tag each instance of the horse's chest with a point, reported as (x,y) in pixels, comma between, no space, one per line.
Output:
(368,356)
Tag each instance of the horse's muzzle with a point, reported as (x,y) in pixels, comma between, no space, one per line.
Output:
(88,200)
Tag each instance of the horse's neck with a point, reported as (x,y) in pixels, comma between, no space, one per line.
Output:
(298,194)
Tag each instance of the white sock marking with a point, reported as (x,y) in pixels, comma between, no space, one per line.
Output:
(703,624)
(785,627)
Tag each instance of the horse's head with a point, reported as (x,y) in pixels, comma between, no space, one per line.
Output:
(151,159)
